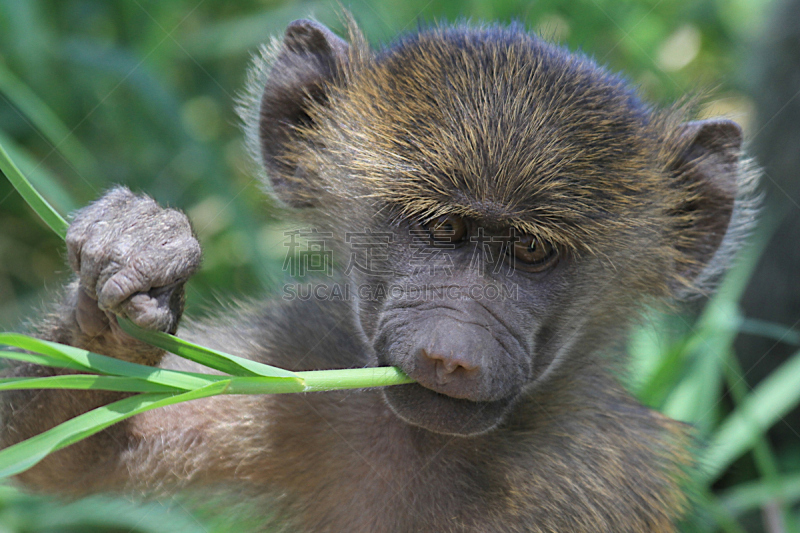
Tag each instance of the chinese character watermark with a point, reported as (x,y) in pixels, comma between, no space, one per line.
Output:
(369,252)
(310,255)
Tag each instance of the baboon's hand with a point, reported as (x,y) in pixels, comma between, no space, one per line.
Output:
(132,258)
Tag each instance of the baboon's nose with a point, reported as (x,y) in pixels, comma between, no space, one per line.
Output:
(447,367)
(448,372)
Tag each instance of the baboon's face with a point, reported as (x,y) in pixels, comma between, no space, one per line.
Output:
(464,315)
(518,202)
(477,315)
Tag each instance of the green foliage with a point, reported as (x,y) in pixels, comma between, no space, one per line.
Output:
(158,387)
(96,92)
(685,375)
(32,196)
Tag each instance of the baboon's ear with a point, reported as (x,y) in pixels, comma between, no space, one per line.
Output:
(709,167)
(309,56)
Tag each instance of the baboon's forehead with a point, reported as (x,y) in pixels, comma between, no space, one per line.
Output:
(493,119)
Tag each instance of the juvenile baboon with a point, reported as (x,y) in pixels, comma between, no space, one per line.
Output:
(551,203)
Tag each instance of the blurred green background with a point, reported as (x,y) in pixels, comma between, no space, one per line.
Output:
(142,92)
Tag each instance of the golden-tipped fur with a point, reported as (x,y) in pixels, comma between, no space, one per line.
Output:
(402,127)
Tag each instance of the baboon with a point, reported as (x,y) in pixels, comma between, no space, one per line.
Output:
(550,203)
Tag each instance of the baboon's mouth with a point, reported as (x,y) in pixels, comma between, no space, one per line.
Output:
(439,413)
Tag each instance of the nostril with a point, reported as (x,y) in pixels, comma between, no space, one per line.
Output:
(450,365)
(442,372)
(446,367)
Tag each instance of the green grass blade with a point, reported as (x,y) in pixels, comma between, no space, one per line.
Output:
(54,354)
(696,397)
(48,123)
(39,359)
(749,496)
(32,196)
(770,330)
(230,364)
(86,382)
(102,364)
(664,378)
(38,174)
(763,455)
(264,385)
(23,455)
(46,348)
(775,396)
(354,378)
(320,380)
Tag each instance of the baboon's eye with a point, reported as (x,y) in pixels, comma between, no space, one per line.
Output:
(534,254)
(447,229)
